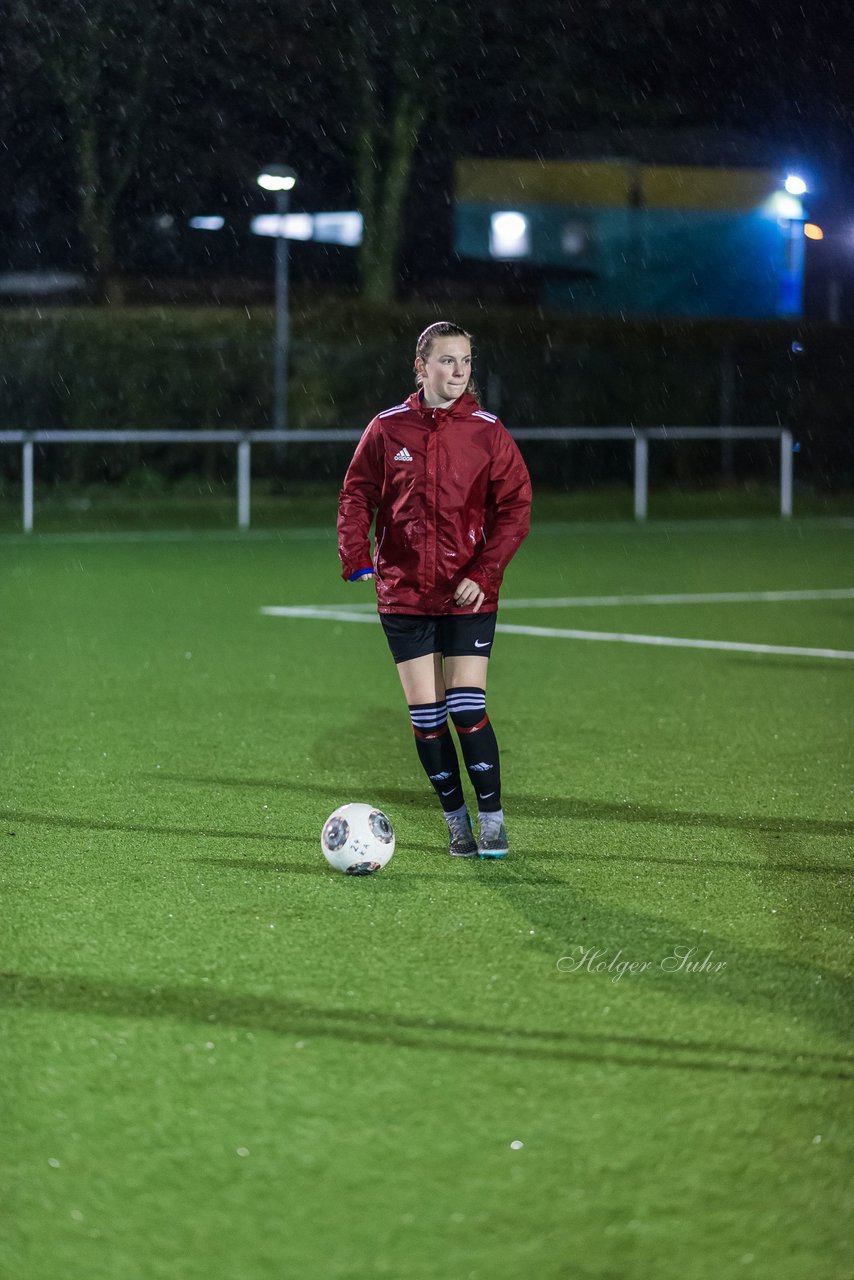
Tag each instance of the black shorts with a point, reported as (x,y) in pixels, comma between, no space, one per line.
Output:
(412,635)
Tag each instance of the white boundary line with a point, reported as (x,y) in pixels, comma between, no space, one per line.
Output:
(710,597)
(582,602)
(676,642)
(318,611)
(558,633)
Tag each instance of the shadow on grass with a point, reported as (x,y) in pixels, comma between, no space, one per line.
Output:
(401,874)
(103,998)
(67,822)
(767,981)
(764,978)
(413,800)
(567,808)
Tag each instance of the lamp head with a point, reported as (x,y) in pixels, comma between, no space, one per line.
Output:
(277,177)
(795,185)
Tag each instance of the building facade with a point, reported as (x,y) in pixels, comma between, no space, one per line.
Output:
(621,236)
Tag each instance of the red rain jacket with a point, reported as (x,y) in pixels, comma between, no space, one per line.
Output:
(452,498)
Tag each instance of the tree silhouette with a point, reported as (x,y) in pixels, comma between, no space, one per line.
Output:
(96,60)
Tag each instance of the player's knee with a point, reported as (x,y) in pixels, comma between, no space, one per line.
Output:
(467,708)
(429,719)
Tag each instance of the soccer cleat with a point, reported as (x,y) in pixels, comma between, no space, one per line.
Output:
(493,840)
(462,843)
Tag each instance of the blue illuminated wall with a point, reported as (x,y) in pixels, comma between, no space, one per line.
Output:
(616,237)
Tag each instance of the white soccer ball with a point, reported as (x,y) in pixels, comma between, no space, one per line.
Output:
(357,839)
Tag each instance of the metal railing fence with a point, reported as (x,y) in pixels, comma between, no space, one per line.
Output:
(639,437)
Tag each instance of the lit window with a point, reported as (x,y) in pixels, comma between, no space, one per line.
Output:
(509,235)
(293,226)
(212,222)
(574,239)
(338,228)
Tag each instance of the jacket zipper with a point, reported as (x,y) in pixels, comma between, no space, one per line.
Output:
(432,479)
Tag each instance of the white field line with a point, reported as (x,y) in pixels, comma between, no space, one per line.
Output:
(675,642)
(710,597)
(324,611)
(587,602)
(558,633)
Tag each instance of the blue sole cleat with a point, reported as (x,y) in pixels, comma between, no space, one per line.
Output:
(493,844)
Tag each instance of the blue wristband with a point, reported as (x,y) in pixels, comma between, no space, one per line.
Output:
(360,573)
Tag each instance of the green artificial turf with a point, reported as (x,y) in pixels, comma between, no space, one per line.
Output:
(222,1059)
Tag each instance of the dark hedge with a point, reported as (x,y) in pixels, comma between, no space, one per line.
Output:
(210,368)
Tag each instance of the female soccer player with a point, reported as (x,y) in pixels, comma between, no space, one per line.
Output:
(452,499)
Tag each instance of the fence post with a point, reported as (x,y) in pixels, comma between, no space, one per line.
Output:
(27,483)
(641,476)
(725,403)
(244,470)
(786,455)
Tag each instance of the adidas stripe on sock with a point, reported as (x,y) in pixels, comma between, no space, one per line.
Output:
(428,717)
(437,752)
(467,707)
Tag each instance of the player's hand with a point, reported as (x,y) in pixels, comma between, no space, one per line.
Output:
(468,593)
(366,577)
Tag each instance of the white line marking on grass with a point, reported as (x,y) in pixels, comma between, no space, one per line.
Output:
(586,602)
(675,642)
(707,597)
(328,613)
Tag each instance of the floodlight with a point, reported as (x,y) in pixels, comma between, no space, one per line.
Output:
(277,177)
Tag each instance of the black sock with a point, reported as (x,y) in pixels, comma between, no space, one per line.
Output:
(437,753)
(478,745)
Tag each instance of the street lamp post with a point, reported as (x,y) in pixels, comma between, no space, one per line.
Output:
(280,179)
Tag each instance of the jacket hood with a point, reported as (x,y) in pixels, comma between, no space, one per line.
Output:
(463,407)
